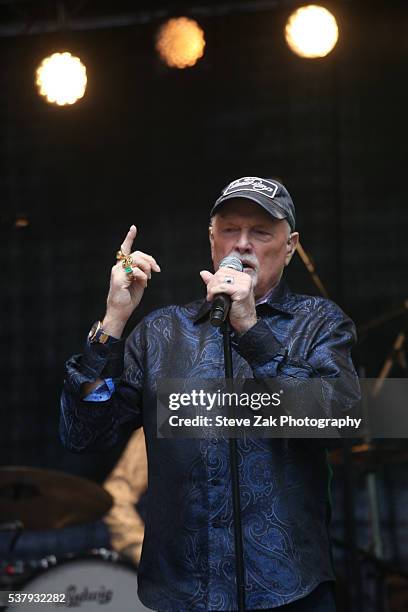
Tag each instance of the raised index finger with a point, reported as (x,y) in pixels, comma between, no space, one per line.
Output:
(126,246)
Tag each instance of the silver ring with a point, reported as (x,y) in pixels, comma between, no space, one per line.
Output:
(229,280)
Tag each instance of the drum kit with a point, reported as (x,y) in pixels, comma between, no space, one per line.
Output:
(36,499)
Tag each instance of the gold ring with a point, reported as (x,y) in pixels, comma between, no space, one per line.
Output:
(120,255)
(127,262)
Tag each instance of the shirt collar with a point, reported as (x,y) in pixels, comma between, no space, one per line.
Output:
(279,298)
(268,296)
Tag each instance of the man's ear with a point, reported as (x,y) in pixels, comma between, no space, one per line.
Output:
(291,245)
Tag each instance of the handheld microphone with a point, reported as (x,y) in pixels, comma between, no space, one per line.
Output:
(222,302)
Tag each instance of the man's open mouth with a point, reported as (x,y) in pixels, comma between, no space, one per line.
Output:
(248,265)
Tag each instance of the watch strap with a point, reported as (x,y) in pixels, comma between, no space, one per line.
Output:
(98,334)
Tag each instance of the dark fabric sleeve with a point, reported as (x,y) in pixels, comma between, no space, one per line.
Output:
(334,390)
(99,425)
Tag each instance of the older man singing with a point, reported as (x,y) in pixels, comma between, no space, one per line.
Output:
(188,560)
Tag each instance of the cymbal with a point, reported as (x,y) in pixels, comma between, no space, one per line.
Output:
(49,499)
(371,456)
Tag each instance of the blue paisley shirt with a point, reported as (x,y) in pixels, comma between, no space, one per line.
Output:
(188,552)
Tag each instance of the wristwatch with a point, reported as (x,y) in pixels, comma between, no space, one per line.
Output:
(97,334)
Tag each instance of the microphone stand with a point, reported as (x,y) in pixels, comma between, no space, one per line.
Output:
(236,498)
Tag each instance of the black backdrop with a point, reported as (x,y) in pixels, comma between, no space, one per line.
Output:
(154,146)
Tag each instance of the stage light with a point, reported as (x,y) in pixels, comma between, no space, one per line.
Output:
(21,221)
(61,78)
(311,31)
(180,42)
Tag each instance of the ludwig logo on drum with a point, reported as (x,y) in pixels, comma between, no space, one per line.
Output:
(76,597)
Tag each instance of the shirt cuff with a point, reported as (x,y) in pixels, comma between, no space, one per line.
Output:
(103,360)
(259,345)
(102,393)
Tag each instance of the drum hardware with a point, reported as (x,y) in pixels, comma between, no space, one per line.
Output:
(397,353)
(16,528)
(381,319)
(89,581)
(368,455)
(47,499)
(309,265)
(13,574)
(37,499)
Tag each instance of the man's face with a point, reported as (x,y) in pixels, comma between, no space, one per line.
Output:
(263,244)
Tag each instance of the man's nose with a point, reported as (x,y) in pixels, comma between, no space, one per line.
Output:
(243,244)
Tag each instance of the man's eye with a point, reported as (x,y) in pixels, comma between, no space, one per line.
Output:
(228,230)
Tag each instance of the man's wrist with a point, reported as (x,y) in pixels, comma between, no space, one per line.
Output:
(113,327)
(245,325)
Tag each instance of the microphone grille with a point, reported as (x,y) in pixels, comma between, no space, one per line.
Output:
(232,262)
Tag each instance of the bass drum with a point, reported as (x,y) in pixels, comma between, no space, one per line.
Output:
(100,580)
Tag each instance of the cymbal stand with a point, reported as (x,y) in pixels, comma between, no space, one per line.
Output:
(307,260)
(17,528)
(349,484)
(397,353)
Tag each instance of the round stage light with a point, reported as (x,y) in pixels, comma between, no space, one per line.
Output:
(180,42)
(311,31)
(61,79)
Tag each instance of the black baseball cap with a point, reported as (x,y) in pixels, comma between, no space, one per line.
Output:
(268,193)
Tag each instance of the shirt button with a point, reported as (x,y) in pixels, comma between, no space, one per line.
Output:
(216,524)
(216,482)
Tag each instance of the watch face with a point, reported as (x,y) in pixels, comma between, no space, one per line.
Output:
(97,335)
